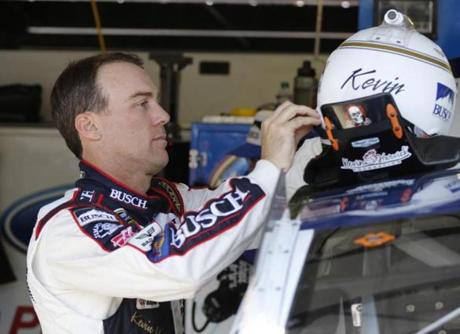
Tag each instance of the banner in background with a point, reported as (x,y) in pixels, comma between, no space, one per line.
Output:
(35,168)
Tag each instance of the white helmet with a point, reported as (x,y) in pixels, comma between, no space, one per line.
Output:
(394,58)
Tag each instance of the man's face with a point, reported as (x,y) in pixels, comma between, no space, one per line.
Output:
(356,115)
(133,133)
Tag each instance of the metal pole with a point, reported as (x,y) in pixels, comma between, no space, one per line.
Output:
(319,23)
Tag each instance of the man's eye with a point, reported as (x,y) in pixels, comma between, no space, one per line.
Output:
(144,104)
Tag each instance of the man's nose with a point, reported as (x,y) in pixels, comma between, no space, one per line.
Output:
(162,115)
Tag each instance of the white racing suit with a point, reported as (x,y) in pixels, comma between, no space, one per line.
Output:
(294,177)
(105,259)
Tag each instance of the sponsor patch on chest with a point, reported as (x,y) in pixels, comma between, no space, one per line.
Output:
(88,216)
(103,227)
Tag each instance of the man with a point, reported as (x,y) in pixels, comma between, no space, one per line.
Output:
(110,255)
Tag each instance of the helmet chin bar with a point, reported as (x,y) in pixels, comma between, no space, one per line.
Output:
(383,146)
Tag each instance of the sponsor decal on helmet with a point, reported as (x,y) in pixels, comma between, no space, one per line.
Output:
(372,160)
(444,102)
(355,116)
(363,143)
(367,80)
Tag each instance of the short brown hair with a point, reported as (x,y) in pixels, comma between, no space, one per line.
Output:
(76,91)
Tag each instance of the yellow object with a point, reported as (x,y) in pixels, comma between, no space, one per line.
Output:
(243,112)
(371,240)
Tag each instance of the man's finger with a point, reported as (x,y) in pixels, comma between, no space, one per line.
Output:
(301,121)
(293,110)
(281,108)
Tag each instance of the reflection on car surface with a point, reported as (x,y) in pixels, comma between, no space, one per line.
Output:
(378,258)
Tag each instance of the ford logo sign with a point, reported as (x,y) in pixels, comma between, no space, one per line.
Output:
(18,220)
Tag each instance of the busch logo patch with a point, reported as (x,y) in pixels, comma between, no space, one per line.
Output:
(218,214)
(367,80)
(445,98)
(373,160)
(88,216)
(128,198)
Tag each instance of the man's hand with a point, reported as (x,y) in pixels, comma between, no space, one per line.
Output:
(282,131)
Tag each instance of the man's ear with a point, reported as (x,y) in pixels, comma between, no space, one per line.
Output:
(87,126)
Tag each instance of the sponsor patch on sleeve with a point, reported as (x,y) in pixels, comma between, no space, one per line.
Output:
(145,238)
(214,218)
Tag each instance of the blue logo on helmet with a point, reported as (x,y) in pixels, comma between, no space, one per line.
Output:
(444,102)
(445,92)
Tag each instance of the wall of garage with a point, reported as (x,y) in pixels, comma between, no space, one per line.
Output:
(253,79)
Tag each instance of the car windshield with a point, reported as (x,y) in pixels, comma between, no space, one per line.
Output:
(394,277)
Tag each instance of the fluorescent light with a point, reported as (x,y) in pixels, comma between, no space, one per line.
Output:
(185,32)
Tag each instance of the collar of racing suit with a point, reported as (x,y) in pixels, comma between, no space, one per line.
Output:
(99,188)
